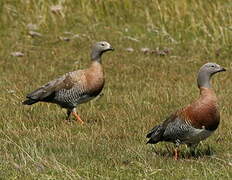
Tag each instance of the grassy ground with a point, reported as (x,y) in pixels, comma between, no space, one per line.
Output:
(141,88)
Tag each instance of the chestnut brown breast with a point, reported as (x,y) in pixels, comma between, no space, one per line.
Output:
(203,113)
(94,78)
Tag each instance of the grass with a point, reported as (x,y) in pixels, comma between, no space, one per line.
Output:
(141,89)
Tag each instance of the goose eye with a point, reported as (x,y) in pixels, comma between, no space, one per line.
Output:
(102,44)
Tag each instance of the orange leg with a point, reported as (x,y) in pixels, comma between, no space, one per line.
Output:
(77,117)
(176,154)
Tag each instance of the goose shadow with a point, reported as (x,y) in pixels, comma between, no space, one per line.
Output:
(184,153)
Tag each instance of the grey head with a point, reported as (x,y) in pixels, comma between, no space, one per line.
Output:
(99,48)
(206,72)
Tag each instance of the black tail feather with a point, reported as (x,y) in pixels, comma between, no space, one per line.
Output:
(151,141)
(29,102)
(155,134)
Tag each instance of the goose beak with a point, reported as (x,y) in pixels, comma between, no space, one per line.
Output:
(222,69)
(111,49)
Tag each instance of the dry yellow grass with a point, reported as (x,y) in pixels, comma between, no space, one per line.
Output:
(141,89)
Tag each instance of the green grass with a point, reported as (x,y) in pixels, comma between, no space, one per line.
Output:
(141,89)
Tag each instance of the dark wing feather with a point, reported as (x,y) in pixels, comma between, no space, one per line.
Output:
(45,92)
(157,133)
